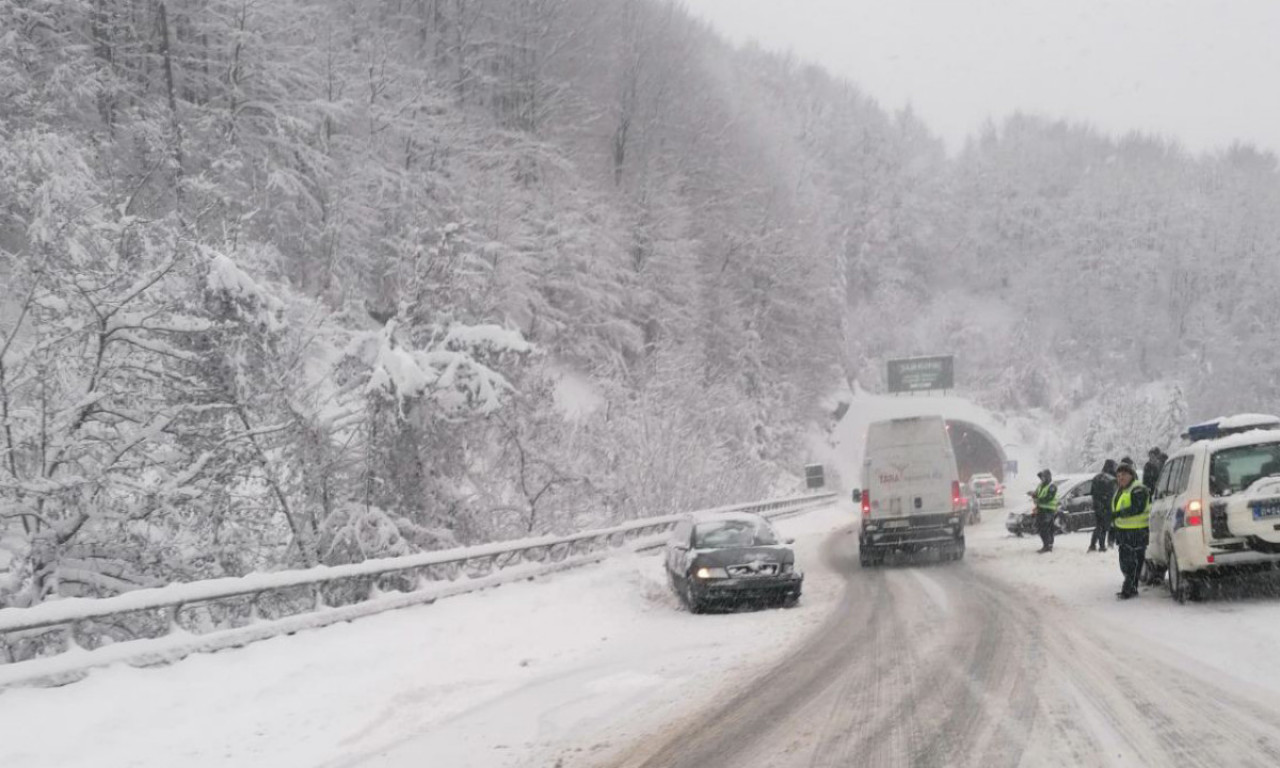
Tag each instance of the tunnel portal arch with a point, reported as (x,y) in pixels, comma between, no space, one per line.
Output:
(976,449)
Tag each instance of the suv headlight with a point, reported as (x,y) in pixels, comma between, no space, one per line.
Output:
(788,568)
(712,573)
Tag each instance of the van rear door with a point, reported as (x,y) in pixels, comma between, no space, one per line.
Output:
(909,468)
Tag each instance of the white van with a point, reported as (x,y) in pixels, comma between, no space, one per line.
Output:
(910,491)
(1216,507)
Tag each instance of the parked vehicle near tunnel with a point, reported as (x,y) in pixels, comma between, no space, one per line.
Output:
(987,490)
(1216,510)
(1075,508)
(910,495)
(731,559)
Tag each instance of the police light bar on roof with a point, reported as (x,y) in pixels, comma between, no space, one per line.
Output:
(1230,425)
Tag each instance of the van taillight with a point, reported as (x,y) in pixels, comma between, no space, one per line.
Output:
(1195,512)
(955,494)
(866,504)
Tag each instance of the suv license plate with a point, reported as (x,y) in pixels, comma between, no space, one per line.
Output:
(898,524)
(1266,510)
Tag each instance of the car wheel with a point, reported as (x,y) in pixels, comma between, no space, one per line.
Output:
(1060,524)
(691,602)
(790,601)
(866,559)
(1152,574)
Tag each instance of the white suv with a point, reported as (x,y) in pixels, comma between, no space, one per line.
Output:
(1216,509)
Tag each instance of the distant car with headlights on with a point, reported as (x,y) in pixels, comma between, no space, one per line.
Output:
(731,559)
(987,489)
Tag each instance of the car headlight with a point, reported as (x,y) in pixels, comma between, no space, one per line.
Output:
(788,567)
(712,573)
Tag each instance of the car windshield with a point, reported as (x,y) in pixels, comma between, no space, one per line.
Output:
(732,533)
(981,486)
(1234,469)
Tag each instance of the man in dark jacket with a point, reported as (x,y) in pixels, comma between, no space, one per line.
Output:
(1130,511)
(1045,497)
(1151,470)
(1103,492)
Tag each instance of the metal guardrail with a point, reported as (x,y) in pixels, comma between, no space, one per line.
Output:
(171,622)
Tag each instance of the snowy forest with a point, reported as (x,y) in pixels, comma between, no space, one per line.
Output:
(306,282)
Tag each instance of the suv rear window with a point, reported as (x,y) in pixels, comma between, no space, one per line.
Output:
(1234,469)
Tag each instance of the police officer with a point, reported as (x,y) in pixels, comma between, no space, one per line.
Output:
(1102,492)
(1045,497)
(1130,510)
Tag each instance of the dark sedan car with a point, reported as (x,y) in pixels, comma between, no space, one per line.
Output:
(731,559)
(1075,508)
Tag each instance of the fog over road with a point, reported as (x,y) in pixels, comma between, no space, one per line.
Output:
(943,665)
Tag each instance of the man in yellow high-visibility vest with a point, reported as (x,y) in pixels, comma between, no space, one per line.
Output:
(1045,497)
(1131,510)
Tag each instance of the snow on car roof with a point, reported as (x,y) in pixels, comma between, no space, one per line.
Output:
(1240,422)
(1247,420)
(1071,479)
(728,517)
(1253,437)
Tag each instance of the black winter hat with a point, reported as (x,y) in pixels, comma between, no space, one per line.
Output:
(1109,466)
(1126,466)
(1045,475)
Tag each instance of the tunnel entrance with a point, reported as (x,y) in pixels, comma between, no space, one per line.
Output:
(976,449)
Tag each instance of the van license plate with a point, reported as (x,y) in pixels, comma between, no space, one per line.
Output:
(898,524)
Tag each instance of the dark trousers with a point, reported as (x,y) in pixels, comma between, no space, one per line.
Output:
(1101,527)
(1044,526)
(1133,553)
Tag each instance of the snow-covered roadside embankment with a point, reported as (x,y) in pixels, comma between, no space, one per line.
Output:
(496,678)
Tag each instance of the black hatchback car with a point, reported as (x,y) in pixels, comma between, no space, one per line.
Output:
(731,559)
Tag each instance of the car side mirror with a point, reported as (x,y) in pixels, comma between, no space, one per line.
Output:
(788,541)
(857,495)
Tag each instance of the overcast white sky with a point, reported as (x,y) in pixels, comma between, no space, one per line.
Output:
(1205,72)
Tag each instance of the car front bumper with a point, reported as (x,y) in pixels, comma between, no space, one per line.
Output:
(748,589)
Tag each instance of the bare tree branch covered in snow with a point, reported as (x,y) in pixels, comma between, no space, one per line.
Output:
(286,283)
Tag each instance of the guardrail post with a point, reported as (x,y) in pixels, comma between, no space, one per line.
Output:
(172,617)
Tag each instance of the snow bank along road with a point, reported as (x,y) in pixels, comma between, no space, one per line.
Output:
(568,665)
(1004,659)
(1007,658)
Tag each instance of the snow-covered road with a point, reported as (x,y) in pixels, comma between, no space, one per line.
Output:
(1007,658)
(520,675)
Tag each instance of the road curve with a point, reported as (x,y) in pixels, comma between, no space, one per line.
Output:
(939,665)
